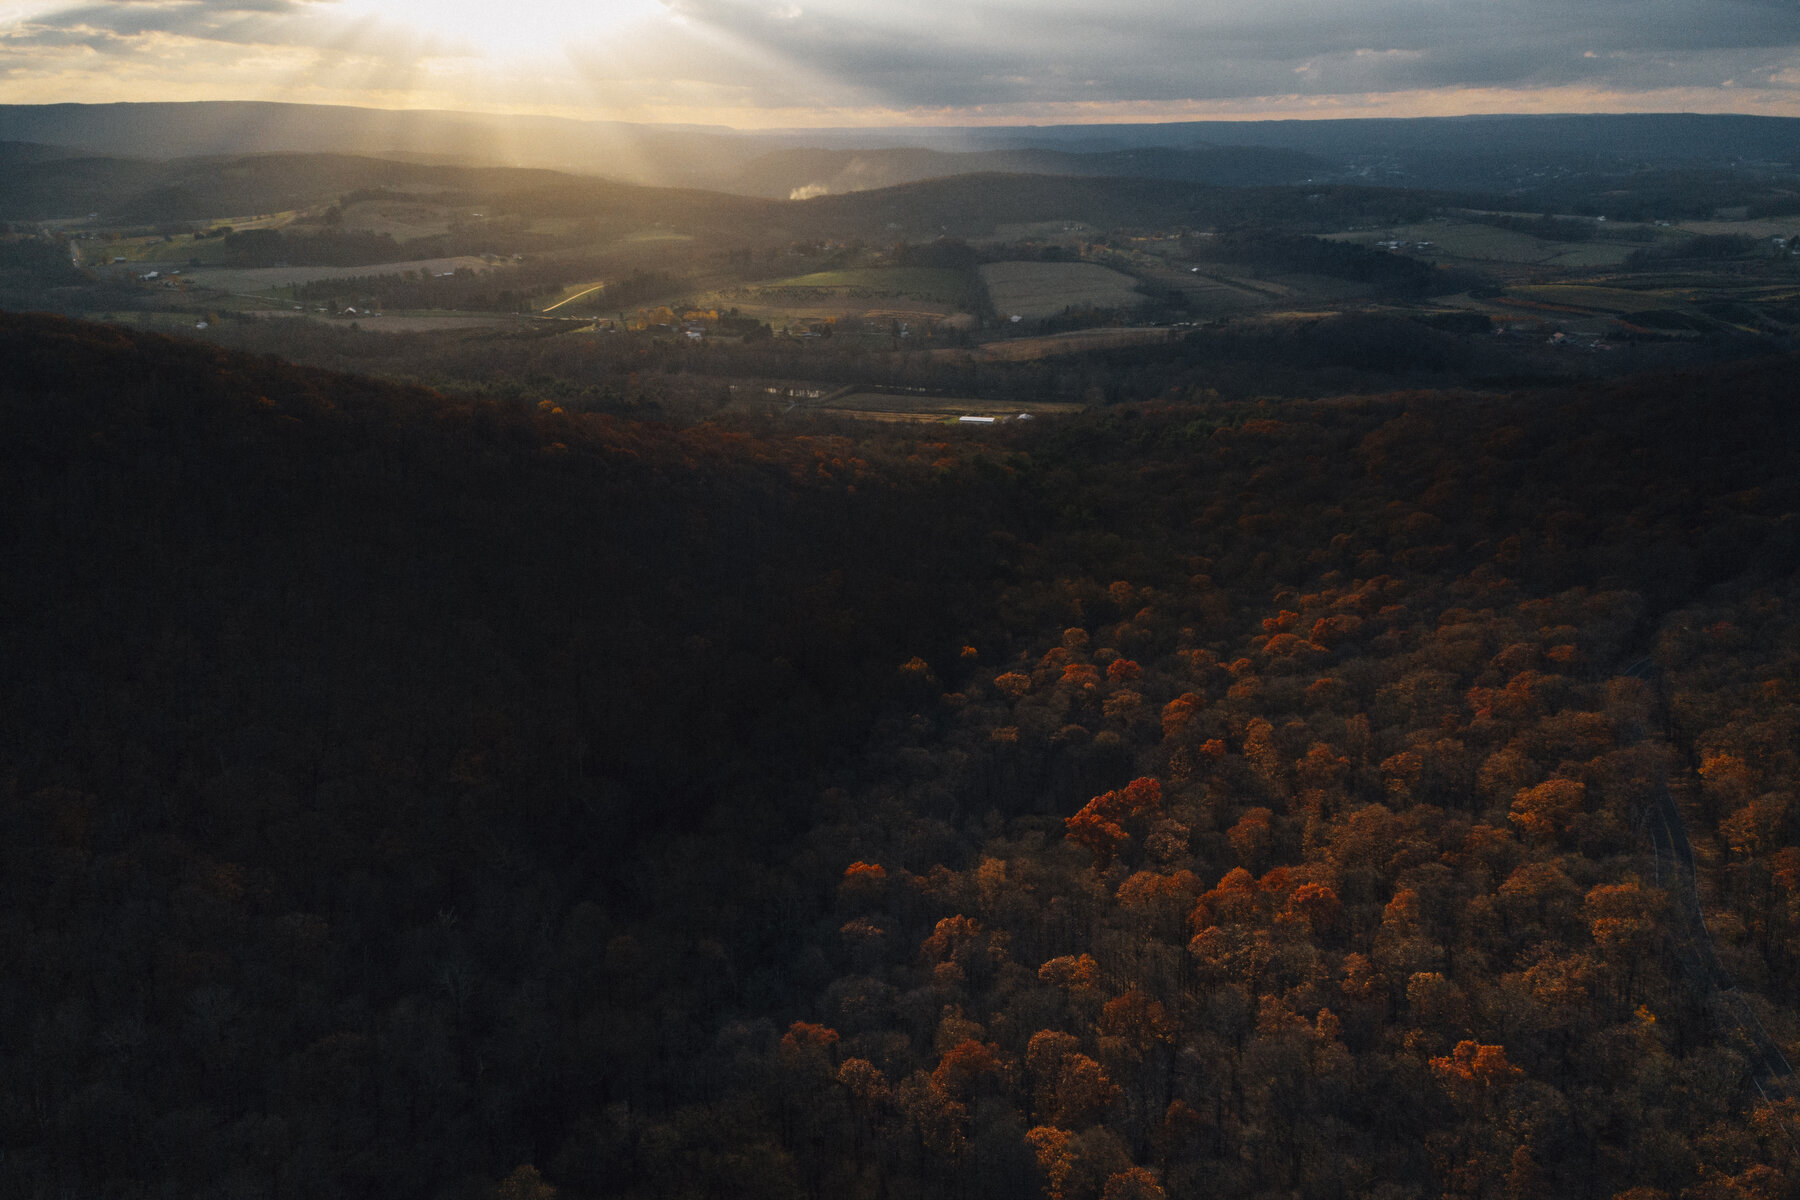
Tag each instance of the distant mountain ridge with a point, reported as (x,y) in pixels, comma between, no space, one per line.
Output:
(644,153)
(1664,136)
(1424,151)
(830,172)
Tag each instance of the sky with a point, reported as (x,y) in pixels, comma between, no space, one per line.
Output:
(786,63)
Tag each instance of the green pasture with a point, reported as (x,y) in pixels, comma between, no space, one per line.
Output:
(931,284)
(1596,297)
(180,249)
(877,293)
(1040,289)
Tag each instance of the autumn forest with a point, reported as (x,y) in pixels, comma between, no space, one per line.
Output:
(410,795)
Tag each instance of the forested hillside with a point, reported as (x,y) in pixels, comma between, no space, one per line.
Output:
(402,796)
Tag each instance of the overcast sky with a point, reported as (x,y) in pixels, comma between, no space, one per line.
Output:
(759,63)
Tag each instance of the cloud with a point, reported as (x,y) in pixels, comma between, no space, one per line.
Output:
(943,56)
(993,51)
(120,24)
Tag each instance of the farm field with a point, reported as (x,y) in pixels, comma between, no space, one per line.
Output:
(1591,296)
(1699,286)
(1040,289)
(1760,227)
(185,322)
(151,251)
(1629,295)
(901,402)
(1209,294)
(177,249)
(890,407)
(1210,303)
(873,293)
(921,282)
(404,219)
(391,323)
(1472,241)
(1679,304)
(1319,289)
(1026,349)
(652,237)
(258,279)
(1592,254)
(822,308)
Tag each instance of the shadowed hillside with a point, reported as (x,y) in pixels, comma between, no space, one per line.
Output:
(404,796)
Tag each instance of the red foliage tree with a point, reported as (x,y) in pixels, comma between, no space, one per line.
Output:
(1106,824)
(1547,810)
